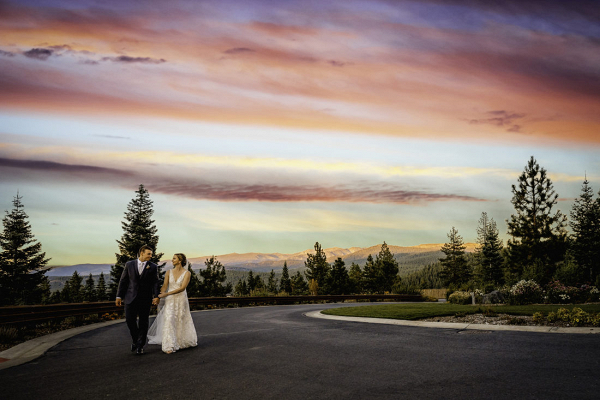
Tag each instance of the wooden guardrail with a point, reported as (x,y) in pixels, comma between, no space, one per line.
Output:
(18,315)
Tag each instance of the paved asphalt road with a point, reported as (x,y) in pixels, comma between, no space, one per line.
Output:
(278,353)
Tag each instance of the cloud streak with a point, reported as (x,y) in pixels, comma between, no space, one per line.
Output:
(301,193)
(51,166)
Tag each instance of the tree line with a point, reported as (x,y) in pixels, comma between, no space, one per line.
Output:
(379,275)
(539,248)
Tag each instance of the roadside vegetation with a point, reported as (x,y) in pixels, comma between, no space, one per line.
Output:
(574,315)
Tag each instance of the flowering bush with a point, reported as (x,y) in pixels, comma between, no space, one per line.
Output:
(538,317)
(557,293)
(563,314)
(552,316)
(460,297)
(592,293)
(578,317)
(525,292)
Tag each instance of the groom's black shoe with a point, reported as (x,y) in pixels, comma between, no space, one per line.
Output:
(140,351)
(133,347)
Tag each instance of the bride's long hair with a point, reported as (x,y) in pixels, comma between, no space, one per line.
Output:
(182,259)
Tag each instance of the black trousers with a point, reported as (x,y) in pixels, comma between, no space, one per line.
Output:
(134,310)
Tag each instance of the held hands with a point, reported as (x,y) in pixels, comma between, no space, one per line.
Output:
(118,303)
(155,301)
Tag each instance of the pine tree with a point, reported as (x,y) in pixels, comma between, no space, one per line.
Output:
(55,297)
(259,283)
(317,267)
(272,283)
(75,288)
(387,269)
(369,276)
(251,281)
(89,290)
(193,288)
(538,235)
(585,244)
(101,294)
(46,294)
(138,230)
(338,281)
(22,261)
(241,288)
(299,285)
(455,268)
(488,252)
(356,278)
(285,285)
(213,277)
(65,293)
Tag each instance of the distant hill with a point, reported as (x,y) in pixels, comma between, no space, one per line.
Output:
(410,259)
(82,269)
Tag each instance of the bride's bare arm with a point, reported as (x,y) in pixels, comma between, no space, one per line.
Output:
(186,281)
(164,287)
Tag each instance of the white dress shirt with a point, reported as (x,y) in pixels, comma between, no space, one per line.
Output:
(140,266)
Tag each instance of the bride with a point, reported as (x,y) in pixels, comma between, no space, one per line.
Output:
(173,327)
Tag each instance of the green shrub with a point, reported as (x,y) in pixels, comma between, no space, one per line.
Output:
(563,314)
(525,292)
(460,297)
(552,316)
(578,317)
(594,320)
(538,317)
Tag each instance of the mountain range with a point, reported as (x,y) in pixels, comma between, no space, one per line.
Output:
(409,258)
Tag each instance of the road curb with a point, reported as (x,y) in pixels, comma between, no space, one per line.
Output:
(34,348)
(454,325)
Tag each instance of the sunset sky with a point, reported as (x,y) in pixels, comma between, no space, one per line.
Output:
(264,126)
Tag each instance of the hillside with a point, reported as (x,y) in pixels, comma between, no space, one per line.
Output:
(410,259)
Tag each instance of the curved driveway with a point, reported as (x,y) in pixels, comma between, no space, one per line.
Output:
(277,352)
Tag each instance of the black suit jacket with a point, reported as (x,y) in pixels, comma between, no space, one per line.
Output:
(133,285)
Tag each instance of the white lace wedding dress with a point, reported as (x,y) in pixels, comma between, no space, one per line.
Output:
(173,327)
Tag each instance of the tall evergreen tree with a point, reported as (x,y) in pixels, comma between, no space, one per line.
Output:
(65,293)
(213,277)
(317,267)
(285,285)
(338,281)
(22,261)
(241,288)
(193,288)
(356,278)
(46,294)
(538,234)
(370,276)
(272,283)
(387,269)
(75,288)
(89,290)
(455,268)
(138,230)
(101,294)
(251,281)
(488,252)
(585,243)
(299,284)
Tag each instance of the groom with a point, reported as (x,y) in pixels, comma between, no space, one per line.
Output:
(139,289)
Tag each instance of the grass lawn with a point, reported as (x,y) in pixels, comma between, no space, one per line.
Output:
(414,311)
